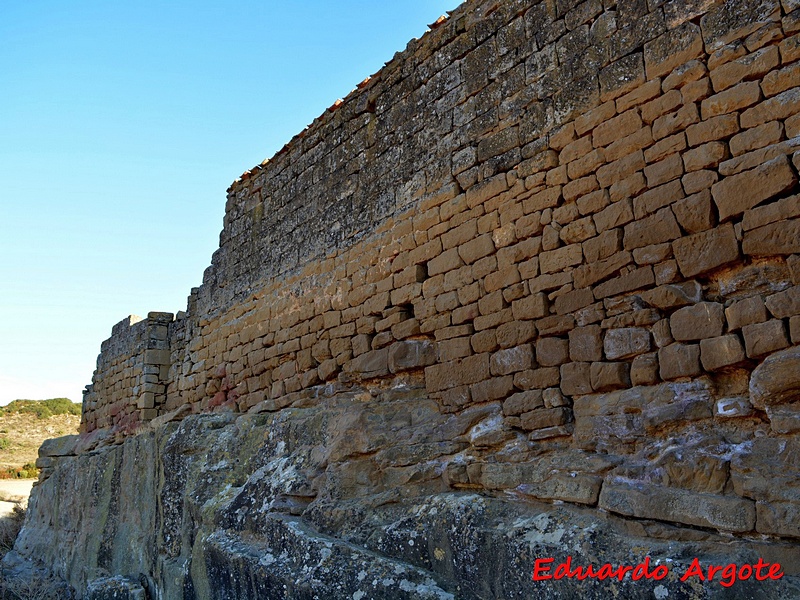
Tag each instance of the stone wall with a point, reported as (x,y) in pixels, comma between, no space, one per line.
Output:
(585,214)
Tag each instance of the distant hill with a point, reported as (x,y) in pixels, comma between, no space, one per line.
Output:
(25,424)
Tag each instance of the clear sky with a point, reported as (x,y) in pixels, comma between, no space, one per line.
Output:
(121,126)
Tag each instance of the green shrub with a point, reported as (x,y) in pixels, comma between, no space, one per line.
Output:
(5,443)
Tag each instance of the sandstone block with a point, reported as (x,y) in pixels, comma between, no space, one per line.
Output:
(156,357)
(781,518)
(679,360)
(616,214)
(699,181)
(573,301)
(644,369)
(446,261)
(733,99)
(702,320)
(620,169)
(561,258)
(751,66)
(712,129)
(537,379)
(552,351)
(657,228)
(443,376)
(511,360)
(634,280)
(495,388)
(568,487)
(523,402)
(705,251)
(719,352)
(659,106)
(784,304)
(674,122)
(616,128)
(608,376)
(411,354)
(784,208)
(586,344)
(776,238)
(603,246)
(621,77)
(757,137)
(374,363)
(575,379)
(475,249)
(662,334)
(794,329)
(781,106)
(746,312)
(555,325)
(761,339)
(737,193)
(626,342)
(695,213)
(534,306)
(545,417)
(673,295)
(707,156)
(672,49)
(776,380)
(648,501)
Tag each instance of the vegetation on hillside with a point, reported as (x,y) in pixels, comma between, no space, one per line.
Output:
(24,425)
(43,408)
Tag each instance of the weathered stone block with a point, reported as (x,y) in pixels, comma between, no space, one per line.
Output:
(673,295)
(495,388)
(644,369)
(609,376)
(784,304)
(673,48)
(705,251)
(552,351)
(411,354)
(724,351)
(511,360)
(586,344)
(772,239)
(731,21)
(534,306)
(648,501)
(575,378)
(737,193)
(523,402)
(761,339)
(443,376)
(545,417)
(777,379)
(701,320)
(626,342)
(679,360)
(156,357)
(567,487)
(780,518)
(657,228)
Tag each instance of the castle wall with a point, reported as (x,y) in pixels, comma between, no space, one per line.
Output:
(585,213)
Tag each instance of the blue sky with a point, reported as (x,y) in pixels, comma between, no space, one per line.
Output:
(121,126)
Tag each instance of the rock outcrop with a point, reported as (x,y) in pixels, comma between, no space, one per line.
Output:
(532,291)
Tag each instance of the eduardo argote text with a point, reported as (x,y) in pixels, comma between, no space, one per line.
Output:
(725,575)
